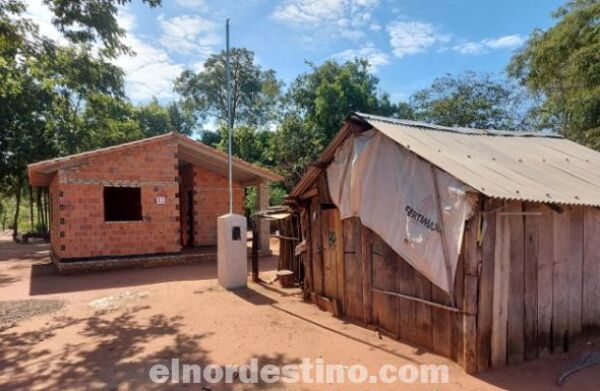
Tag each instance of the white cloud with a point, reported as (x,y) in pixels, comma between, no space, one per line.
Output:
(41,15)
(189,34)
(506,42)
(483,46)
(151,71)
(347,18)
(469,48)
(412,37)
(376,57)
(197,4)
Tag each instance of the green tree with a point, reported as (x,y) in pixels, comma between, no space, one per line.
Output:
(87,21)
(561,67)
(249,143)
(471,100)
(182,120)
(109,121)
(295,144)
(330,91)
(154,119)
(45,87)
(254,93)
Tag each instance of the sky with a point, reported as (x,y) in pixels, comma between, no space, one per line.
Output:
(408,42)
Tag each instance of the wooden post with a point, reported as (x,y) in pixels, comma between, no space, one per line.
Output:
(486,288)
(255,244)
(262,203)
(470,298)
(500,295)
(367,273)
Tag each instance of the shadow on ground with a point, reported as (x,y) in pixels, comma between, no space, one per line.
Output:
(117,353)
(46,280)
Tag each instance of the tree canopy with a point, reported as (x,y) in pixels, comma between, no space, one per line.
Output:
(561,67)
(254,91)
(471,100)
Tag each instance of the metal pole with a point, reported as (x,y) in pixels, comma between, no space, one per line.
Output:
(229,130)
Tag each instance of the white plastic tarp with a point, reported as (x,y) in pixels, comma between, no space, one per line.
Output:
(402,198)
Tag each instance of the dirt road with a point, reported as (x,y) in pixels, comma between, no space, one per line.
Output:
(115,325)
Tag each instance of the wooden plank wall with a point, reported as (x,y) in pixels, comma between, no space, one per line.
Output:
(546,273)
(368,262)
(527,282)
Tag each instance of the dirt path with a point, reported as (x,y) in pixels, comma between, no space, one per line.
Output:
(115,325)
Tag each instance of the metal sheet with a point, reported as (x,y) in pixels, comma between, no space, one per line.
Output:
(519,166)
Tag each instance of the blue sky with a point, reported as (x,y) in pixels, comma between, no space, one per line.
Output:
(409,42)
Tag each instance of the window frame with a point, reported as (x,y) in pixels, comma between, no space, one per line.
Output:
(133,217)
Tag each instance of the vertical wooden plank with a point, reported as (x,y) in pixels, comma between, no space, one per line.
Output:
(366,258)
(457,318)
(441,323)
(575,271)
(339,257)
(560,291)
(385,272)
(532,226)
(353,303)
(423,311)
(330,246)
(471,266)
(349,232)
(545,282)
(516,287)
(316,245)
(406,308)
(353,290)
(309,284)
(500,295)
(591,271)
(486,287)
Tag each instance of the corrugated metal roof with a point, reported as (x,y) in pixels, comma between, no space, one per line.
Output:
(502,164)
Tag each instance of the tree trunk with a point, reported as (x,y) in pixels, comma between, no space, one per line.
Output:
(17,207)
(32,228)
(39,205)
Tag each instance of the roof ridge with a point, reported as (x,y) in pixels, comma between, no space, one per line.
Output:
(454,129)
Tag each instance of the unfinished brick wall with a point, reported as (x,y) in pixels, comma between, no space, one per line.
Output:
(211,200)
(54,214)
(80,217)
(186,173)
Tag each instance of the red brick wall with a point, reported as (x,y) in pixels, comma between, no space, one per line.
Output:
(54,215)
(186,172)
(211,200)
(153,168)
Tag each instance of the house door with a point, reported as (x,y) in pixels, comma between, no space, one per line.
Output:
(190,218)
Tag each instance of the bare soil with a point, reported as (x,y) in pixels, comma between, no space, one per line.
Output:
(111,327)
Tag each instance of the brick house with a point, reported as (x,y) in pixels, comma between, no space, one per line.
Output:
(143,201)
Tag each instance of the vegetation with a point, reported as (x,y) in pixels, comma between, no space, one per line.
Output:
(561,67)
(59,99)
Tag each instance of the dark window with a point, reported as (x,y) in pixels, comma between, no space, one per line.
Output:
(122,204)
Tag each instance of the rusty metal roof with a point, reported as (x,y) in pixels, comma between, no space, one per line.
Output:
(522,166)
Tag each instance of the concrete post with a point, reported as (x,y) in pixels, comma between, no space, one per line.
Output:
(262,202)
(232,262)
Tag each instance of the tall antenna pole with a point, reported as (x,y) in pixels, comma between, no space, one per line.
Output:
(229,130)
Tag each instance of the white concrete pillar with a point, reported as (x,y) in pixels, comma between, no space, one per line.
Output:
(232,255)
(262,203)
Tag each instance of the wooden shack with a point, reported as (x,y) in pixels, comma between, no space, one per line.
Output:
(527,282)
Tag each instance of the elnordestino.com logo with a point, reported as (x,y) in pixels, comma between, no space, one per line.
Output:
(304,372)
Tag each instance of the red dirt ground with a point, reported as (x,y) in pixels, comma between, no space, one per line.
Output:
(181,312)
